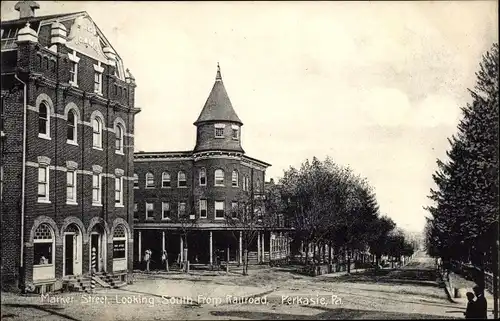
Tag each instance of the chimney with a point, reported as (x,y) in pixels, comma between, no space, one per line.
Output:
(26,8)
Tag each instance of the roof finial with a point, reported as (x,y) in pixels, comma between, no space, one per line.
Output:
(218,76)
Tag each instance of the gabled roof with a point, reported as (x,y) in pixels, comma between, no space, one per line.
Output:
(23,21)
(218,107)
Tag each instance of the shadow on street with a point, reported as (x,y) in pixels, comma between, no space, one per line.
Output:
(44,308)
(327,314)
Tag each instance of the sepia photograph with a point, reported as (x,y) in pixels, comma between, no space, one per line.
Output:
(249,160)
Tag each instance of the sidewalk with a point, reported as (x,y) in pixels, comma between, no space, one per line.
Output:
(463,285)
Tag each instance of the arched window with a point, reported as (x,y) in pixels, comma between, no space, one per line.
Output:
(165,180)
(119,138)
(136,181)
(46,62)
(234,178)
(43,120)
(43,252)
(97,132)
(181,179)
(71,123)
(219,177)
(203,177)
(150,180)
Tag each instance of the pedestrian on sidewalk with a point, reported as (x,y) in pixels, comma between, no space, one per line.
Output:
(147,258)
(481,303)
(471,310)
(164,259)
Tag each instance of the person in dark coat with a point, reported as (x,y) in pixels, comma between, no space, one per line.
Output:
(481,305)
(471,310)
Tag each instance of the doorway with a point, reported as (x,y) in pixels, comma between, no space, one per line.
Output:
(95,241)
(69,253)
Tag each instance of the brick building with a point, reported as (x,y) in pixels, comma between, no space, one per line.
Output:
(183,199)
(67,136)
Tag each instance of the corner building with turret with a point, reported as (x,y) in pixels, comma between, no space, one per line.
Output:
(66,162)
(205,186)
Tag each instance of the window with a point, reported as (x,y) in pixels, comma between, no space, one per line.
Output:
(71,130)
(181,179)
(46,62)
(136,181)
(43,183)
(257,185)
(245,183)
(119,243)
(219,177)
(149,211)
(119,139)
(165,211)
(165,180)
(73,72)
(9,37)
(96,189)
(234,209)
(43,121)
(119,191)
(71,186)
(181,209)
(97,132)
(234,179)
(235,132)
(43,245)
(1,183)
(1,117)
(150,180)
(219,209)
(98,82)
(52,65)
(203,177)
(203,208)
(219,132)
(136,212)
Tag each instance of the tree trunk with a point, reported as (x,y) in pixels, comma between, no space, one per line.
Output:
(245,262)
(307,254)
(227,262)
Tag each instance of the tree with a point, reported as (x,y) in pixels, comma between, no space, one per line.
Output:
(187,222)
(464,217)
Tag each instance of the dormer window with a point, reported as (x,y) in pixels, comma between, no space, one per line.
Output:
(219,130)
(235,132)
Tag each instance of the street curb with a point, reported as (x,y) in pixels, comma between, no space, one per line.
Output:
(447,288)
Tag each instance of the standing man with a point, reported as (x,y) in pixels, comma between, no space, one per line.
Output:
(147,259)
(481,304)
(164,259)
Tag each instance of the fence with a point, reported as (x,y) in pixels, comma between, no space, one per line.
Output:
(473,273)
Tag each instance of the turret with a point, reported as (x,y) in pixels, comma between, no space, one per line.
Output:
(218,126)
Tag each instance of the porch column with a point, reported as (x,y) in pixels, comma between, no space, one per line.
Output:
(241,247)
(258,247)
(182,249)
(210,249)
(139,250)
(162,241)
(263,247)
(271,246)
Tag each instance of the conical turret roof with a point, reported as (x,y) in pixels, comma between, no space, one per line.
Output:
(218,107)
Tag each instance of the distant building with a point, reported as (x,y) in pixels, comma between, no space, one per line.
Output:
(67,137)
(203,185)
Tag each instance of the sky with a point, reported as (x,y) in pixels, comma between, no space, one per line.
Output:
(377,86)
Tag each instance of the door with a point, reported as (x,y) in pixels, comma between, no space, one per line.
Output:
(94,243)
(69,254)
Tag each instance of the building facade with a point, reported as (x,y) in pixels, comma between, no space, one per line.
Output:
(185,200)
(67,140)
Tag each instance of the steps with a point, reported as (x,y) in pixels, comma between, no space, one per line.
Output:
(81,283)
